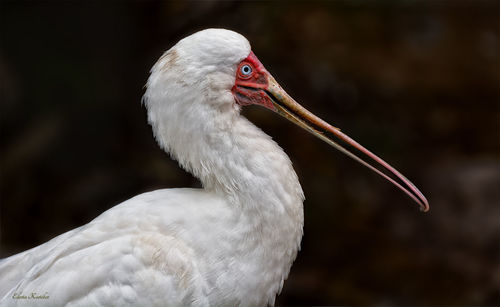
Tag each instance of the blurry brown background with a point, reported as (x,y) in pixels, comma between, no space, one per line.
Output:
(417,82)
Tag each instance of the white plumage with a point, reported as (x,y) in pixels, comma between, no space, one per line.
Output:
(231,243)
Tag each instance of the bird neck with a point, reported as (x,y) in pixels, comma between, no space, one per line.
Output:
(235,159)
(248,169)
(210,139)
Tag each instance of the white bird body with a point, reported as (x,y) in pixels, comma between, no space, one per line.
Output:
(231,243)
(164,253)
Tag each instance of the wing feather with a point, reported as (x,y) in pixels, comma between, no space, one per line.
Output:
(109,262)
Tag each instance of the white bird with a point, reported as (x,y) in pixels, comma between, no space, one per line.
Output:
(231,243)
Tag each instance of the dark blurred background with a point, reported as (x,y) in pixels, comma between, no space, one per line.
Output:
(418,82)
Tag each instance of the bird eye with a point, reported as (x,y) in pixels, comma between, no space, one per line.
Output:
(245,70)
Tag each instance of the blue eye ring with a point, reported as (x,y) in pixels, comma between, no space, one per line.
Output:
(246,70)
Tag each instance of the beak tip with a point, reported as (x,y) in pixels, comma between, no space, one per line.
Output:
(424,207)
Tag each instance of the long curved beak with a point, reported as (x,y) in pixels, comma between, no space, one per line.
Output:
(290,109)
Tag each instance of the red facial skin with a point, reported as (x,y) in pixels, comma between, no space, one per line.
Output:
(250,89)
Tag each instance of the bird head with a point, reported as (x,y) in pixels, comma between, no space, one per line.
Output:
(216,70)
